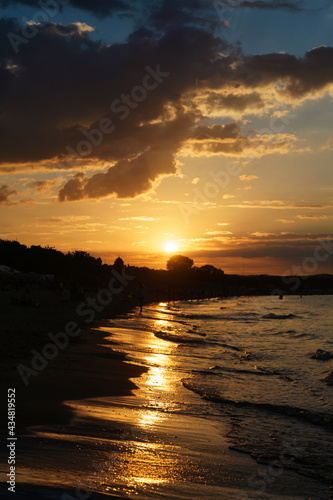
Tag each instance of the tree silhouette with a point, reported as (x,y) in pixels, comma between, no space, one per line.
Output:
(210,270)
(179,263)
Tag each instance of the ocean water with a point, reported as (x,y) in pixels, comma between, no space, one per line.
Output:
(232,397)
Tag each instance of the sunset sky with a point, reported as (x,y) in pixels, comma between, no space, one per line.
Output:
(202,125)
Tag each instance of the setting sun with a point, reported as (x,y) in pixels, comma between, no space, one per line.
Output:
(170,247)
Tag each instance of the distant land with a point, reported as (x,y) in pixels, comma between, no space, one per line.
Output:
(79,271)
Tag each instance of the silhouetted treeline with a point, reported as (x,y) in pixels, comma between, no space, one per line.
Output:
(73,266)
(84,270)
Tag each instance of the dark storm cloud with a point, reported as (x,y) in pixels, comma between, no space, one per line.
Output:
(131,177)
(262,4)
(300,75)
(99,7)
(164,14)
(61,83)
(59,87)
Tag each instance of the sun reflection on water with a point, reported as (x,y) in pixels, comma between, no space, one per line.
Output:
(144,464)
(148,418)
(162,323)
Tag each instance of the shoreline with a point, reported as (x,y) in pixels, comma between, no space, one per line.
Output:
(45,377)
(23,337)
(89,370)
(85,370)
(88,367)
(59,380)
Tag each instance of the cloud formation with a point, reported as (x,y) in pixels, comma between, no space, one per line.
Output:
(99,7)
(127,179)
(166,14)
(98,104)
(266,5)
(5,193)
(280,246)
(311,216)
(247,177)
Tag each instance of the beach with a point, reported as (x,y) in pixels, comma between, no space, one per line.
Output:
(166,404)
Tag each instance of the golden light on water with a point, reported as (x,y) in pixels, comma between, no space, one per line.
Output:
(152,464)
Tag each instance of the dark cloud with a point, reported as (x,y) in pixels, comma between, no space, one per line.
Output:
(228,140)
(131,177)
(289,248)
(300,76)
(99,7)
(5,193)
(62,82)
(43,186)
(38,185)
(127,179)
(229,131)
(164,14)
(57,90)
(262,4)
(234,102)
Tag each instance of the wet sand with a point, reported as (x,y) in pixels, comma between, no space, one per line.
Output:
(84,370)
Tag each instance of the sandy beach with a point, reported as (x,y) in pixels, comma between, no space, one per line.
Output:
(87,367)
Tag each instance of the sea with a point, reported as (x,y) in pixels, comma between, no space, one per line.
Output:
(232,405)
(226,377)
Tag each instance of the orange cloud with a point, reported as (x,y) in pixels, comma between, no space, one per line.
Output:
(5,193)
(248,177)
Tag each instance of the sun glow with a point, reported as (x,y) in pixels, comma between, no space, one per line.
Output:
(170,247)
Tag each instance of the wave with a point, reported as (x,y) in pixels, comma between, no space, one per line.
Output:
(201,316)
(227,346)
(257,371)
(294,334)
(245,317)
(194,332)
(314,418)
(280,316)
(167,319)
(168,312)
(179,339)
